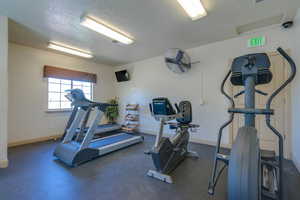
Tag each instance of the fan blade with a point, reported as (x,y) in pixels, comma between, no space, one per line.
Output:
(179,56)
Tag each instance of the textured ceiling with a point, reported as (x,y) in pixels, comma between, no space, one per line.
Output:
(156,25)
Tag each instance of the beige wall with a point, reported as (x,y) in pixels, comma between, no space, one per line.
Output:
(151,78)
(296,93)
(3,91)
(28,118)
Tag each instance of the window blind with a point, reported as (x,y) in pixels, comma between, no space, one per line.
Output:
(61,73)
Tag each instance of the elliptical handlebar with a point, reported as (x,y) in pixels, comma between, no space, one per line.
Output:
(256,90)
(223,90)
(268,117)
(290,79)
(215,176)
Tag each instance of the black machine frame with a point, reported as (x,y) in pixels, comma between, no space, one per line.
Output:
(168,152)
(249,71)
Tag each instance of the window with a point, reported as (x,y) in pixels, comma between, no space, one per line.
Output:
(57,88)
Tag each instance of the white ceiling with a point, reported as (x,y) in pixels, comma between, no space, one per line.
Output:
(156,25)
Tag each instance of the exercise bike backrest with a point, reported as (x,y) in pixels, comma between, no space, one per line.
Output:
(162,109)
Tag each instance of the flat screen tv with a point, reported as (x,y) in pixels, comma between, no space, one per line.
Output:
(122,75)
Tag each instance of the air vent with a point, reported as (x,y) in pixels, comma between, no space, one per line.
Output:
(259,24)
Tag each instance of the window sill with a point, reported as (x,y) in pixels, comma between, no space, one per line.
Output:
(58,110)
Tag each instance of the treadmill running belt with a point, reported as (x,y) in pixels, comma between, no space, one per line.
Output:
(110,140)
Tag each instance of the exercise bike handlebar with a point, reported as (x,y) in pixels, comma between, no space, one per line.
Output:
(150,107)
(177,108)
(176,125)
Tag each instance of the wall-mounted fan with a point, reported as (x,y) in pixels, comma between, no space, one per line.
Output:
(177,60)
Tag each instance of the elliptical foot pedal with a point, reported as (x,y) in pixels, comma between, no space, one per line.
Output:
(192,154)
(268,155)
(211,190)
(163,177)
(148,152)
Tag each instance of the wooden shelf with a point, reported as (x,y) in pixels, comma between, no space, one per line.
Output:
(131,120)
(132,107)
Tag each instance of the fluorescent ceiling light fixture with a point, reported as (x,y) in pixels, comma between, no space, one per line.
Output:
(104,29)
(193,8)
(69,50)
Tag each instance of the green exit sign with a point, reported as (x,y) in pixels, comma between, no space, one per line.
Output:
(257,41)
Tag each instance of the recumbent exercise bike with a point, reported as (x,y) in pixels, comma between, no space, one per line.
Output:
(167,153)
(251,172)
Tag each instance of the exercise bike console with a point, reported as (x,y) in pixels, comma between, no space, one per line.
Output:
(161,108)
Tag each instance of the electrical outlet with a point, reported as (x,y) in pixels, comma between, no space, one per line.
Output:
(201,102)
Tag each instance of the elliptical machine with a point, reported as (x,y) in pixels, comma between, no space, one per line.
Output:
(167,153)
(251,173)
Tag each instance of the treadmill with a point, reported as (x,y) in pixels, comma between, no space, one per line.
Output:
(78,144)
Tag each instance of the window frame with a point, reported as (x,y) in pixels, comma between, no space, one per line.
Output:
(60,84)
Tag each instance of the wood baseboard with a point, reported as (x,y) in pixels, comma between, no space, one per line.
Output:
(36,140)
(3,163)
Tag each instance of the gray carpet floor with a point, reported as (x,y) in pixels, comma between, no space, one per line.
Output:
(34,174)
